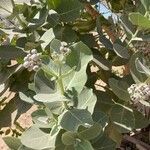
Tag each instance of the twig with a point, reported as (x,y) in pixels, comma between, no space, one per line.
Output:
(141,145)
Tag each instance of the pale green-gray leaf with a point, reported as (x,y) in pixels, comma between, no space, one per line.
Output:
(6,7)
(47,37)
(80,56)
(139,20)
(141,68)
(70,11)
(121,51)
(74,118)
(87,100)
(127,119)
(119,88)
(43,83)
(36,139)
(49,98)
(69,138)
(84,145)
(104,143)
(146,4)
(91,133)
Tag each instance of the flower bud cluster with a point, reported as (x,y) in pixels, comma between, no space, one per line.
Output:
(32,61)
(139,92)
(63,50)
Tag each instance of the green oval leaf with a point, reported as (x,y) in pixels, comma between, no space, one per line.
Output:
(91,132)
(69,138)
(119,88)
(74,118)
(139,20)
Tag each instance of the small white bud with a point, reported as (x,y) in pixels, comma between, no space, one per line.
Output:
(36,67)
(26,64)
(33,51)
(66,50)
(62,48)
(38,54)
(64,43)
(34,57)
(26,58)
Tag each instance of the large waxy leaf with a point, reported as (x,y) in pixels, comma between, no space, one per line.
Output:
(113,133)
(55,45)
(27,96)
(80,56)
(38,20)
(11,52)
(84,145)
(49,98)
(137,76)
(91,132)
(42,120)
(55,107)
(43,83)
(141,68)
(104,102)
(100,117)
(146,4)
(6,7)
(65,33)
(47,37)
(127,119)
(74,73)
(53,4)
(74,118)
(70,11)
(102,62)
(69,138)
(53,18)
(121,51)
(36,139)
(87,100)
(104,143)
(119,88)
(127,24)
(139,20)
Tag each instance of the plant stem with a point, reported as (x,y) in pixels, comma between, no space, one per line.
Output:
(60,82)
(133,36)
(62,91)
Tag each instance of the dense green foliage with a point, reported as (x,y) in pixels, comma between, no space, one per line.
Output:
(72,113)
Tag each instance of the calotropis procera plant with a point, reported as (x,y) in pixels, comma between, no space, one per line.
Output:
(47,52)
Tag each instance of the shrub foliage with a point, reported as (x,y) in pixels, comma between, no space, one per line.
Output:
(54,44)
